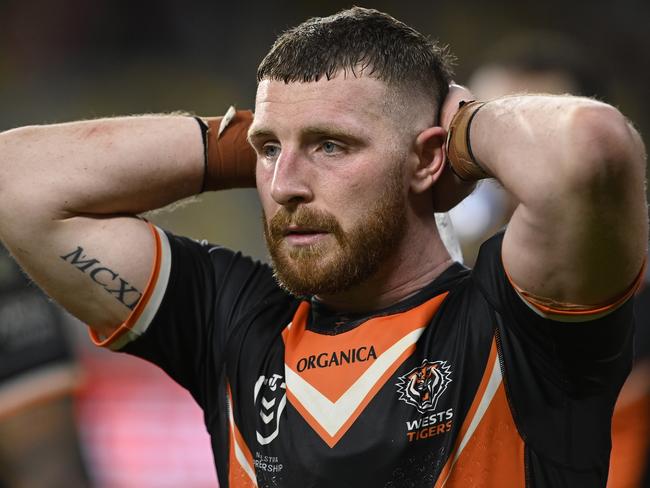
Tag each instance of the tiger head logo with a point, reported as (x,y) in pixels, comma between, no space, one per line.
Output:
(424,384)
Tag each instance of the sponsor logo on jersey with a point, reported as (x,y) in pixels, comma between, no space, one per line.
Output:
(270,394)
(336,358)
(423,386)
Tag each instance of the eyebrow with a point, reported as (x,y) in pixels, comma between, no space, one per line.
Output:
(258,133)
(310,131)
(327,131)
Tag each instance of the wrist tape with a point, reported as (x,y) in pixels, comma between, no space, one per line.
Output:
(229,160)
(459,149)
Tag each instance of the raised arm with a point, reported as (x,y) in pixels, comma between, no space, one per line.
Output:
(70,193)
(68,196)
(577,168)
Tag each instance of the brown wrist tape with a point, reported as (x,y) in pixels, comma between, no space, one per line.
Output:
(230,159)
(459,149)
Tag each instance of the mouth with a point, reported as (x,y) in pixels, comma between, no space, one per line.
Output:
(303,236)
(300,230)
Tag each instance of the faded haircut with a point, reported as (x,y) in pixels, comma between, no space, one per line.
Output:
(360,41)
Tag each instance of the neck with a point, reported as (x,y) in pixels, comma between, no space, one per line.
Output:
(419,259)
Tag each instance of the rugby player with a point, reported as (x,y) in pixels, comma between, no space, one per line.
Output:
(364,357)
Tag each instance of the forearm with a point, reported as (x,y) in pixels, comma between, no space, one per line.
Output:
(544,148)
(102,167)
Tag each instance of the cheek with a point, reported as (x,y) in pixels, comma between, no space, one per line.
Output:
(262,175)
(352,193)
(269,206)
(263,180)
(349,203)
(358,187)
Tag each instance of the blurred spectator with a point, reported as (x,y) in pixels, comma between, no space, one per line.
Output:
(39,446)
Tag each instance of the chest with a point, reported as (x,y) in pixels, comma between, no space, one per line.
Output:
(390,394)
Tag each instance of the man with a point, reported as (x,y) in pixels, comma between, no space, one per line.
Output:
(373,360)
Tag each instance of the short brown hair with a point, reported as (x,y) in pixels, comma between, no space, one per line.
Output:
(360,40)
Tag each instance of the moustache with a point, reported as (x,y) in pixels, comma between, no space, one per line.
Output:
(306,218)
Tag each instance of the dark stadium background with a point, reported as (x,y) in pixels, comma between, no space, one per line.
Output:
(74,59)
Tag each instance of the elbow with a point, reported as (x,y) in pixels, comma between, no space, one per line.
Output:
(605,149)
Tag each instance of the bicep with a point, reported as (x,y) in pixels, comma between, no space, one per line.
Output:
(585,242)
(97,268)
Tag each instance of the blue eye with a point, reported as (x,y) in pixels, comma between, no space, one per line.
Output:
(330,148)
(270,151)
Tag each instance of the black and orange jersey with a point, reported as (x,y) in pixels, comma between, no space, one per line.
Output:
(461,385)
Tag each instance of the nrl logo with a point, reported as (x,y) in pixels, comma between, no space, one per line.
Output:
(270,396)
(424,384)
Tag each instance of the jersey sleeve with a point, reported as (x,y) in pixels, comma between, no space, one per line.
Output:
(562,376)
(196,296)
(566,334)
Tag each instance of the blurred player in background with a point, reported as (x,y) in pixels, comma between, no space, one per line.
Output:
(39,444)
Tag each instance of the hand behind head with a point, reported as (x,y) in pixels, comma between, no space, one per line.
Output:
(450,190)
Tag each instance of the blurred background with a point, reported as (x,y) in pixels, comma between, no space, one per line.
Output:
(75,59)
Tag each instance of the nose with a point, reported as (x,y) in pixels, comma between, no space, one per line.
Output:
(291,182)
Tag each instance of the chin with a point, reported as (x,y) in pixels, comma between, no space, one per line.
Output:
(320,274)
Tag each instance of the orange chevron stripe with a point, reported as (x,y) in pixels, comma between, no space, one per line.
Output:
(380,332)
(331,441)
(239,470)
(494,458)
(487,459)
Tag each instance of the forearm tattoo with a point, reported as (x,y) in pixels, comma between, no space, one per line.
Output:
(124,292)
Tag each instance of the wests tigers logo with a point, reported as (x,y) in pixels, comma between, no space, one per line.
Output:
(424,384)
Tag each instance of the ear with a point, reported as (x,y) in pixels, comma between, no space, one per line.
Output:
(429,149)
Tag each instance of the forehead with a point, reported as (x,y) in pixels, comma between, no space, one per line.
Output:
(343,101)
